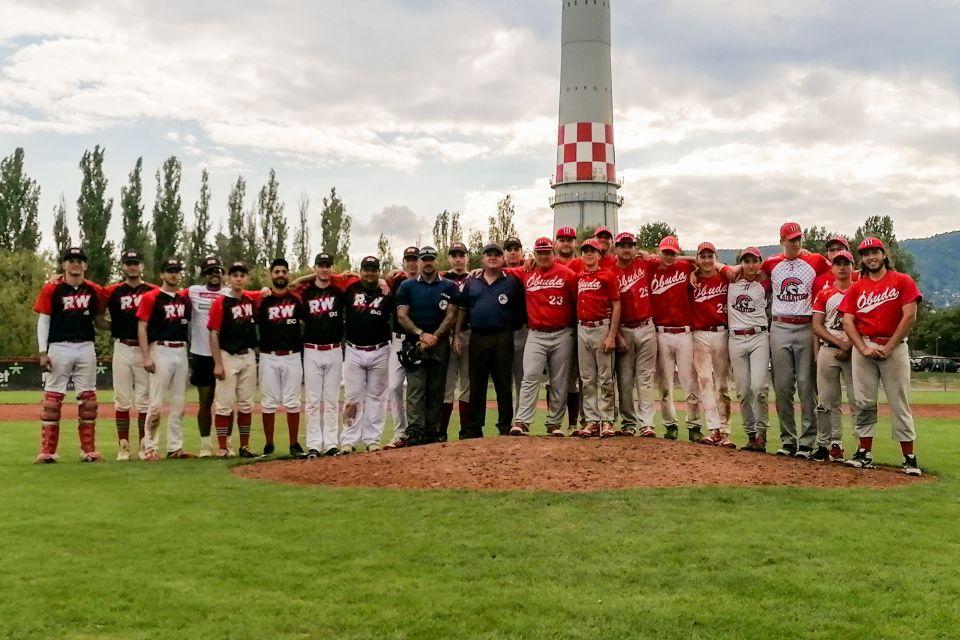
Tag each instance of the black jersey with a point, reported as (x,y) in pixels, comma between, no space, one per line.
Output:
(72,310)
(122,302)
(323,310)
(279,317)
(167,315)
(235,321)
(367,313)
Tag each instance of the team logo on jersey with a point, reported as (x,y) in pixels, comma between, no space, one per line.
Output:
(443,305)
(361,303)
(503,299)
(538,283)
(174,311)
(130,302)
(702,294)
(661,284)
(744,304)
(242,311)
(281,312)
(867,302)
(588,285)
(76,302)
(322,306)
(627,280)
(792,290)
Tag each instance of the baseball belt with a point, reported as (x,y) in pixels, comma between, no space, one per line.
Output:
(752,331)
(673,329)
(716,329)
(321,347)
(372,347)
(635,324)
(594,323)
(881,340)
(171,343)
(793,319)
(281,353)
(129,342)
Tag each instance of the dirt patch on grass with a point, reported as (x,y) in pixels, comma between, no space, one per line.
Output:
(569,464)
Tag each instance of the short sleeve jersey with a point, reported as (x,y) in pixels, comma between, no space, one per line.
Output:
(633,281)
(708,299)
(595,291)
(669,294)
(792,282)
(827,302)
(279,317)
(877,305)
(201,299)
(122,301)
(167,315)
(323,314)
(747,304)
(235,321)
(367,313)
(71,309)
(550,296)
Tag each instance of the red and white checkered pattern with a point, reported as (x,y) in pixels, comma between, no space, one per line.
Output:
(585,153)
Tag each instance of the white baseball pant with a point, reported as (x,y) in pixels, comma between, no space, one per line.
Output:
(170,376)
(322,374)
(894,372)
(280,380)
(675,352)
(830,371)
(458,373)
(235,392)
(711,359)
(596,373)
(71,360)
(131,382)
(636,369)
(365,377)
(750,360)
(395,394)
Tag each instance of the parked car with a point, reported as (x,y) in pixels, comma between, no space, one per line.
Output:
(936,363)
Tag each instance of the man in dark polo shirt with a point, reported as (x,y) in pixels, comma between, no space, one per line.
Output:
(494,302)
(427,313)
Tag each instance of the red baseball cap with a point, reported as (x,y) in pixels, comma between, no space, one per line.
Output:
(871,243)
(706,246)
(566,232)
(625,237)
(790,230)
(838,240)
(751,251)
(844,254)
(591,243)
(602,229)
(543,244)
(670,243)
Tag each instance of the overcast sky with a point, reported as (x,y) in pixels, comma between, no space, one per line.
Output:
(730,117)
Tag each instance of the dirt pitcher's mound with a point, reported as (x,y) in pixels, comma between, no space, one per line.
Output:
(568,464)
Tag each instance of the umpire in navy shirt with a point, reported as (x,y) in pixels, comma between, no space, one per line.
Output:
(427,312)
(495,304)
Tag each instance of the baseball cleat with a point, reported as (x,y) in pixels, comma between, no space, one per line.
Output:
(803,452)
(225,453)
(331,451)
(648,432)
(820,455)
(670,433)
(607,430)
(555,430)
(46,458)
(179,454)
(373,446)
(123,454)
(519,429)
(397,443)
(296,451)
(268,449)
(910,466)
(756,443)
(726,442)
(694,434)
(862,459)
(313,454)
(591,430)
(345,450)
(206,451)
(149,455)
(788,450)
(248,453)
(627,431)
(836,452)
(714,438)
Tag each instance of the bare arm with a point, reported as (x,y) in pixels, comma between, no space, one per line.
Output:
(457,340)
(218,371)
(145,347)
(610,342)
(449,321)
(403,316)
(851,330)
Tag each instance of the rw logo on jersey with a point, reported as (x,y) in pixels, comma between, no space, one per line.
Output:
(80,301)
(281,312)
(242,311)
(174,311)
(792,290)
(361,303)
(129,302)
(322,306)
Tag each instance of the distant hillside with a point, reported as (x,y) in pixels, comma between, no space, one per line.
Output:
(937,260)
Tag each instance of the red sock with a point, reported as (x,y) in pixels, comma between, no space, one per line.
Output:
(223,425)
(866,443)
(142,424)
(293,426)
(269,419)
(244,420)
(907,447)
(123,425)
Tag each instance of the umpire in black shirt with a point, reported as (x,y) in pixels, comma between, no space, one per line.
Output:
(495,304)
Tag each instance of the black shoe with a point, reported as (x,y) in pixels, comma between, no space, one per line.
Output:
(694,434)
(821,454)
(313,454)
(670,434)
(804,453)
(245,452)
(862,459)
(787,450)
(332,451)
(296,451)
(268,449)
(910,466)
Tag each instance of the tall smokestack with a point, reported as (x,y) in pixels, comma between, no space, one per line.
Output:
(585,182)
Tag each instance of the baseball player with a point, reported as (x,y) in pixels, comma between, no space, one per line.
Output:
(550,290)
(163,316)
(637,343)
(130,380)
(791,339)
(233,339)
(565,247)
(833,359)
(323,304)
(398,374)
(749,345)
(878,312)
(68,311)
(279,315)
(673,318)
(513,259)
(458,370)
(834,245)
(598,319)
(367,331)
(711,357)
(201,298)
(428,314)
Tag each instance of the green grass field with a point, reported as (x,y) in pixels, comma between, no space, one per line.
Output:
(184,549)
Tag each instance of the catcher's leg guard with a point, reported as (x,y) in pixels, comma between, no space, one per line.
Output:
(49,426)
(87,412)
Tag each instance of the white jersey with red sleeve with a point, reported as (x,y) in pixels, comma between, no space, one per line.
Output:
(669,294)
(595,291)
(708,301)
(633,281)
(201,299)
(792,282)
(827,302)
(877,305)
(550,296)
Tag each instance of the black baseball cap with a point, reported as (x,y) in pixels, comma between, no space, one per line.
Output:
(171,264)
(131,255)
(323,260)
(370,262)
(411,252)
(73,253)
(238,266)
(279,262)
(457,247)
(512,241)
(428,252)
(493,247)
(210,263)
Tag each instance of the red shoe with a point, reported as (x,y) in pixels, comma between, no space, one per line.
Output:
(715,437)
(836,453)
(648,432)
(591,430)
(519,429)
(607,430)
(627,431)
(397,443)
(179,454)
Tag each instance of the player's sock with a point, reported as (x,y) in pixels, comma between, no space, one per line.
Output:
(866,443)
(293,426)
(244,420)
(269,420)
(907,447)
(123,425)
(141,424)
(223,425)
(573,409)
(463,410)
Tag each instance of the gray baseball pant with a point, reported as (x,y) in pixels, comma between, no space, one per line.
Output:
(596,374)
(553,350)
(829,372)
(749,358)
(675,350)
(636,370)
(791,352)
(519,341)
(894,372)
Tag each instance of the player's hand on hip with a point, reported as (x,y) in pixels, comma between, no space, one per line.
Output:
(428,340)
(149,366)
(218,372)
(45,362)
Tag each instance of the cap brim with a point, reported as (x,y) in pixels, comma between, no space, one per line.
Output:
(793,236)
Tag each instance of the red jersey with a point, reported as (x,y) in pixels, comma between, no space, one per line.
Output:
(792,282)
(608,262)
(595,291)
(668,294)
(633,281)
(71,309)
(166,314)
(550,294)
(828,279)
(122,301)
(877,305)
(708,299)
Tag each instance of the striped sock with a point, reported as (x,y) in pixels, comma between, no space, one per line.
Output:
(141,423)
(243,425)
(223,425)
(123,425)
